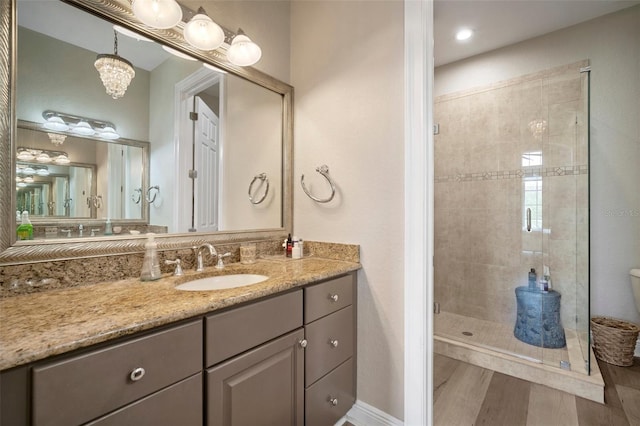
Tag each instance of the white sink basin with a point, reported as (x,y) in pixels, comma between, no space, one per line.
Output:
(222,282)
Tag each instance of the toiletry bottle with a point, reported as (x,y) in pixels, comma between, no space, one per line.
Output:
(546,279)
(295,251)
(108,230)
(150,264)
(289,246)
(25,230)
(532,279)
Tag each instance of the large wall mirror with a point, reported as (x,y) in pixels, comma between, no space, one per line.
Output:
(196,148)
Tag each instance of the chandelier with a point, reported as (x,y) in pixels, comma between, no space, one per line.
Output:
(115,72)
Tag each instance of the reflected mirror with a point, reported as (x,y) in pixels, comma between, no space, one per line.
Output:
(203,145)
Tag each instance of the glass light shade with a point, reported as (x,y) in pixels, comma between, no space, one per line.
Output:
(56,123)
(18,179)
(43,157)
(116,74)
(108,132)
(28,171)
(178,53)
(130,33)
(158,13)
(202,33)
(57,138)
(25,155)
(28,179)
(42,171)
(243,52)
(62,159)
(83,128)
(21,184)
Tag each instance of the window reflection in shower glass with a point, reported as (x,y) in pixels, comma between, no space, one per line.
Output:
(532,191)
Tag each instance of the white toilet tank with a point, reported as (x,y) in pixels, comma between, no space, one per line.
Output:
(635,285)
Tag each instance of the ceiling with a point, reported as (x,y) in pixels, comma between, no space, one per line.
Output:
(501,23)
(495,24)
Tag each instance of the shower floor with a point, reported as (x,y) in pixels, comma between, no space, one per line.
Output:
(492,345)
(499,337)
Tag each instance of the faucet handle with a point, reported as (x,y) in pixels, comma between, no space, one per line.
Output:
(178,271)
(220,264)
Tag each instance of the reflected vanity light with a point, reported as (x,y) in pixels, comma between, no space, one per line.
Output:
(41,156)
(77,125)
(213,68)
(202,33)
(178,53)
(55,123)
(243,52)
(129,33)
(464,34)
(160,14)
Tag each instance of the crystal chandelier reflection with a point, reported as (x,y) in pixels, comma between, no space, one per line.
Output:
(115,72)
(538,127)
(56,138)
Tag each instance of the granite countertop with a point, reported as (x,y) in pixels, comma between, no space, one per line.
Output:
(39,325)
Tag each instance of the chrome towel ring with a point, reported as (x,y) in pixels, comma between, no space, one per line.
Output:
(264,179)
(136,198)
(148,196)
(324,171)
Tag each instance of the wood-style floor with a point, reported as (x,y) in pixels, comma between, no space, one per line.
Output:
(468,395)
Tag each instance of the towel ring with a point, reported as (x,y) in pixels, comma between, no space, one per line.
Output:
(148,196)
(263,178)
(324,171)
(138,198)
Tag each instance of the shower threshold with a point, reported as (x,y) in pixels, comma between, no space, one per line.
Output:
(492,345)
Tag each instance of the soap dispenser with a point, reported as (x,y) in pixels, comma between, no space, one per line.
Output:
(25,230)
(150,264)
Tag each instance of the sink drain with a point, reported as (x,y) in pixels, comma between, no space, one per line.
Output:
(467,333)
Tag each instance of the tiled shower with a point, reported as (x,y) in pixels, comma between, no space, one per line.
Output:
(501,150)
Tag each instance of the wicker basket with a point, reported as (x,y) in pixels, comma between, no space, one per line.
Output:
(614,341)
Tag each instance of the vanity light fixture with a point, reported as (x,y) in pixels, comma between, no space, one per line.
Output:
(83,128)
(202,33)
(56,123)
(115,72)
(41,156)
(464,34)
(160,14)
(243,52)
(77,125)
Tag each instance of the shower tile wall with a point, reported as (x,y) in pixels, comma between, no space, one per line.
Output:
(492,142)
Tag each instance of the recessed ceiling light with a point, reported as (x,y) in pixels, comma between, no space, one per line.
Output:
(464,34)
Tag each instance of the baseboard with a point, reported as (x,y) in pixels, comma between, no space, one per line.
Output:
(363,414)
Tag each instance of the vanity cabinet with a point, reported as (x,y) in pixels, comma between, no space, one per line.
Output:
(84,387)
(330,329)
(289,359)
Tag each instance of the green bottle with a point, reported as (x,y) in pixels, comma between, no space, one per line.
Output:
(25,230)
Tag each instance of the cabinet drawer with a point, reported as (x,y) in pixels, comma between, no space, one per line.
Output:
(84,387)
(329,296)
(264,386)
(235,331)
(179,404)
(329,343)
(331,397)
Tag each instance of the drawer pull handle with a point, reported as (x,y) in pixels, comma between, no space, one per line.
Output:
(303,343)
(137,374)
(333,401)
(334,343)
(334,297)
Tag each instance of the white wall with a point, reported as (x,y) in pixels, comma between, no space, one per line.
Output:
(347,70)
(611,44)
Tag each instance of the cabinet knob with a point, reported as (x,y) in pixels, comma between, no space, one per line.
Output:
(333,297)
(333,401)
(137,374)
(303,343)
(334,342)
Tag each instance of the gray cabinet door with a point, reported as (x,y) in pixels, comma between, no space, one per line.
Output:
(262,387)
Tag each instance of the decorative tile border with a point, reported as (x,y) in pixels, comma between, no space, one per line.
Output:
(524,172)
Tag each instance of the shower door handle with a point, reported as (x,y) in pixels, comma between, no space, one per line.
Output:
(528,220)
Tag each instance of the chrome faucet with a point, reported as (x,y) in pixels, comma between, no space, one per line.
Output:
(198,252)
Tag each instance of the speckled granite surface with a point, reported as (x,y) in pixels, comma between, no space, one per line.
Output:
(38,325)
